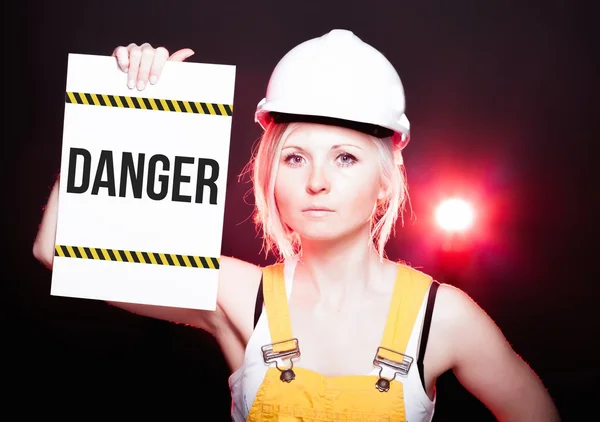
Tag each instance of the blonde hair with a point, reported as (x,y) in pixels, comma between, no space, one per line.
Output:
(278,238)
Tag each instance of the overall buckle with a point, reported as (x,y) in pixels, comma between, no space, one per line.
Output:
(399,367)
(288,354)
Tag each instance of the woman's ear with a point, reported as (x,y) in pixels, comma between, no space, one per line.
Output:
(383,192)
(398,159)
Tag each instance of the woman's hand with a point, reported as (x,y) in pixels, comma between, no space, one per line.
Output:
(144,63)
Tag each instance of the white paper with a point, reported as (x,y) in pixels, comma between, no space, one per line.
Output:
(143,224)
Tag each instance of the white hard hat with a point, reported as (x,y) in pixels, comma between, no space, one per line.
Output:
(337,78)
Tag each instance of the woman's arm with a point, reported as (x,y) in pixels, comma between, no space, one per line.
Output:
(485,363)
(238,280)
(43,251)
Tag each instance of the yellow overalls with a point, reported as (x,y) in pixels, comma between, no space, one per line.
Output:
(290,393)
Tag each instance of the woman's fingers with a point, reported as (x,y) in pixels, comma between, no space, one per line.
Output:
(135,57)
(181,55)
(160,58)
(144,63)
(122,55)
(148,56)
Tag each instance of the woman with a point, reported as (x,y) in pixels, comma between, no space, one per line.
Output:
(335,331)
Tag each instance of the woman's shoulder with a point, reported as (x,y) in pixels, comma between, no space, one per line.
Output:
(236,275)
(230,263)
(238,286)
(404,268)
(451,302)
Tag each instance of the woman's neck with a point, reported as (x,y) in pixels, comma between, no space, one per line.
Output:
(341,271)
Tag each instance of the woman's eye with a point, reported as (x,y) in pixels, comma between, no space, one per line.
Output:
(293,159)
(346,159)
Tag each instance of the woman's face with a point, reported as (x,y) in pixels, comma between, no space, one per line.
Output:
(328,181)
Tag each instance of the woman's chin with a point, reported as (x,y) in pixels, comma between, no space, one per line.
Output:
(328,233)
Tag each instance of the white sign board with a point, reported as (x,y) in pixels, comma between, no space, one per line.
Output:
(142,185)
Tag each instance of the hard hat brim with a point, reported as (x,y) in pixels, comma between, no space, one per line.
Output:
(265,114)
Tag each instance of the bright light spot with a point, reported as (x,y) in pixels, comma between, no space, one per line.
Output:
(455,215)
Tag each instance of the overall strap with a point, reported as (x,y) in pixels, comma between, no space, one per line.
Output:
(276,306)
(409,292)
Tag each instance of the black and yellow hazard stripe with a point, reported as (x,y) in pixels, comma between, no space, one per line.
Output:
(138,257)
(143,103)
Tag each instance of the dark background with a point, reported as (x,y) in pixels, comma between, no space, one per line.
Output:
(502,98)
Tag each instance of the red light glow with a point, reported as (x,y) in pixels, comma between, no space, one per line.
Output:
(455,215)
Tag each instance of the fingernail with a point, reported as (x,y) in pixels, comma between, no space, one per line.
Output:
(140,85)
(152,79)
(131,83)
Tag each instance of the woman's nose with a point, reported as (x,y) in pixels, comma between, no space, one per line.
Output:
(318,180)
